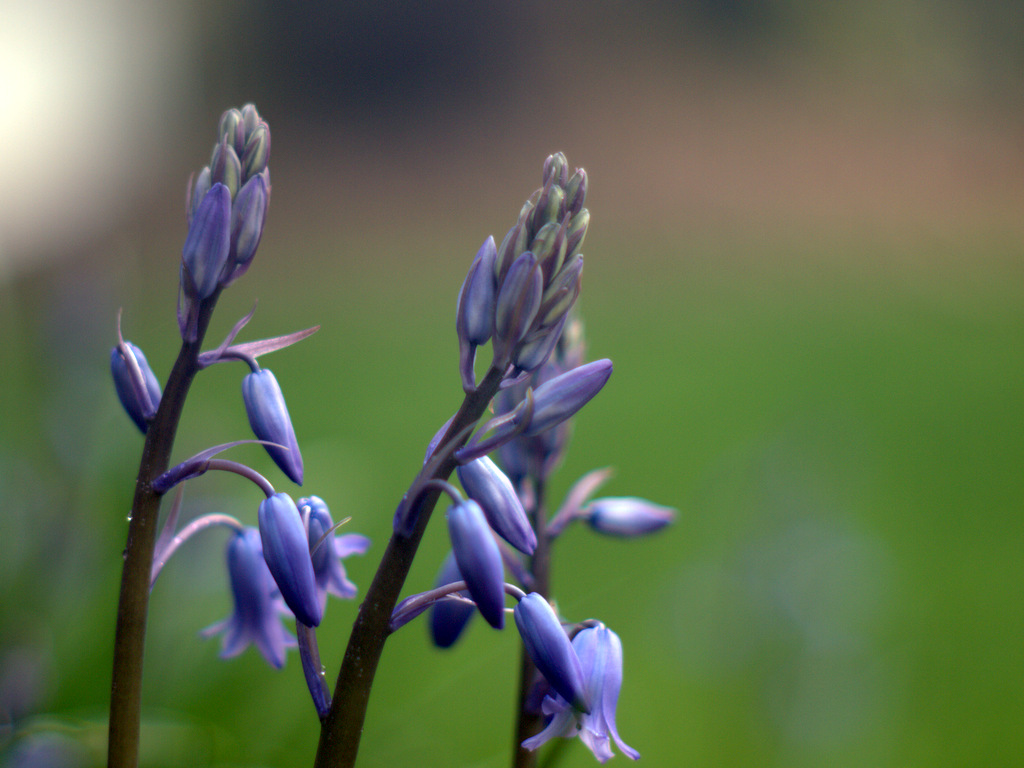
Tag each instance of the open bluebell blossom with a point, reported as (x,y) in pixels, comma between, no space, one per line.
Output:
(479,560)
(626,516)
(600,654)
(448,618)
(258,612)
(327,566)
(136,384)
(488,486)
(269,419)
(286,550)
(550,649)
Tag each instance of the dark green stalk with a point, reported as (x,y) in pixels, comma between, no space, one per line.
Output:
(529,723)
(132,609)
(343,726)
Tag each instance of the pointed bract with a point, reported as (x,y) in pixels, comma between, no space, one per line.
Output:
(286,550)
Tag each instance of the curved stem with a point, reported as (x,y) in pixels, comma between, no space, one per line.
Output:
(343,726)
(133,605)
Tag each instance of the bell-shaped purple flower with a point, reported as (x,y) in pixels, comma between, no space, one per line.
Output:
(136,384)
(269,419)
(627,516)
(327,557)
(479,560)
(208,243)
(286,550)
(257,616)
(550,649)
(488,486)
(600,654)
(449,617)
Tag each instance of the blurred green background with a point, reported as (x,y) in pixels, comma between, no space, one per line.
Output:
(805,259)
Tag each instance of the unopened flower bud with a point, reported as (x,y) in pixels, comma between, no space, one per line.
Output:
(225,167)
(549,648)
(479,560)
(248,213)
(269,419)
(576,192)
(576,232)
(195,193)
(627,516)
(208,243)
(256,154)
(449,617)
(556,169)
(517,304)
(286,550)
(488,486)
(231,129)
(136,384)
(561,397)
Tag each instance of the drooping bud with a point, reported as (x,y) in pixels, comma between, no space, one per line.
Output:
(286,550)
(208,243)
(479,560)
(449,617)
(136,384)
(269,419)
(561,397)
(474,313)
(627,516)
(488,486)
(549,648)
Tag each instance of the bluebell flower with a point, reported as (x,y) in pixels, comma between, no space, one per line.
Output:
(479,560)
(208,243)
(269,419)
(449,617)
(626,516)
(488,486)
(600,654)
(258,611)
(560,398)
(286,550)
(549,648)
(327,566)
(136,384)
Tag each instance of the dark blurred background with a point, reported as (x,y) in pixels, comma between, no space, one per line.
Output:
(805,258)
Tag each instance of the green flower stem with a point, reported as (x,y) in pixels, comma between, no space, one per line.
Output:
(343,726)
(130,634)
(529,723)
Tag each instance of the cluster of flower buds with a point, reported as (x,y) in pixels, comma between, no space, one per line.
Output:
(226,207)
(518,294)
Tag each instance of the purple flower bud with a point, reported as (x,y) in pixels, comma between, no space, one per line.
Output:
(576,192)
(136,384)
(257,616)
(488,486)
(479,560)
(449,617)
(561,397)
(269,419)
(286,550)
(550,649)
(474,316)
(248,212)
(330,572)
(518,302)
(256,154)
(225,167)
(208,243)
(627,516)
(195,194)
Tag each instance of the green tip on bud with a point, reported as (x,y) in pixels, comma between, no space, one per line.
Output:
(231,129)
(256,154)
(556,170)
(576,192)
(225,167)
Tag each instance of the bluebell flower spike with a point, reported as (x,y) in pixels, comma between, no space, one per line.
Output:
(478,559)
(448,618)
(627,516)
(269,419)
(136,384)
(286,550)
(488,486)
(600,654)
(549,648)
(257,617)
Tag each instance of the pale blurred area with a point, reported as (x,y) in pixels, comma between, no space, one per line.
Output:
(732,113)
